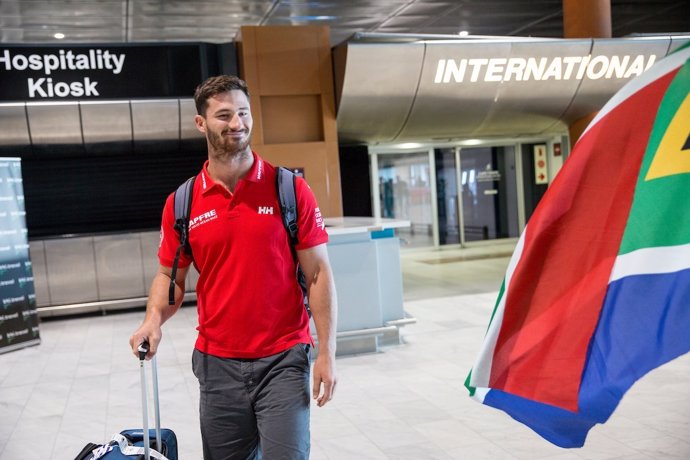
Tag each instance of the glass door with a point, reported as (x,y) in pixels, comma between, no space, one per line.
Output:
(405,193)
(489,193)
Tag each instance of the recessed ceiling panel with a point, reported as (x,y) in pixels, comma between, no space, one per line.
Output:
(217,21)
(14,130)
(538,82)
(380,82)
(453,97)
(613,63)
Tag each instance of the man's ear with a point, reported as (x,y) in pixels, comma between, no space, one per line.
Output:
(200,123)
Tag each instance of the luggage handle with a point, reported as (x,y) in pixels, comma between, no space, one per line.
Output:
(143,349)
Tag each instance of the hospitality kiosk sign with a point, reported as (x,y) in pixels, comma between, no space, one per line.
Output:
(18,315)
(98,72)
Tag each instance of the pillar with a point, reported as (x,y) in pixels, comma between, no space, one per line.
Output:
(585,19)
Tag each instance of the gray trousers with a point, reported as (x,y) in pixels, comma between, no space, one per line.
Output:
(254,408)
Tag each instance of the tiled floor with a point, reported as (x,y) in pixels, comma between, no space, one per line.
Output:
(405,402)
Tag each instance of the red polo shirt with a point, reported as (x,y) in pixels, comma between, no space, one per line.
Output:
(249,302)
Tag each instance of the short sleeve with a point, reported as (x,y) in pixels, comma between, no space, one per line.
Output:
(169,239)
(312,229)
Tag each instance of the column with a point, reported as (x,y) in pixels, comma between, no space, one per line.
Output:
(585,19)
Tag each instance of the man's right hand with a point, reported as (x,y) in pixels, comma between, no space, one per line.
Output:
(149,333)
(157,310)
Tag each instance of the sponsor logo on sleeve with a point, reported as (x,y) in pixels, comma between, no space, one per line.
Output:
(320,224)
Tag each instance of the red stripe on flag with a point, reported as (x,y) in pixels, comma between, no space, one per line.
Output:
(572,240)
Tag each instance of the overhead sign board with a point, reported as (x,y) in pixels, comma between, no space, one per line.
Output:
(471,88)
(541,69)
(81,72)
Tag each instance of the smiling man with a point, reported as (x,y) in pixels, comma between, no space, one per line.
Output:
(252,354)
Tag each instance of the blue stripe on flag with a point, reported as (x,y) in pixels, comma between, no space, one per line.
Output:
(645,323)
(558,426)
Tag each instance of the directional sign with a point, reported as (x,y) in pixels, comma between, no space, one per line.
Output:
(541,174)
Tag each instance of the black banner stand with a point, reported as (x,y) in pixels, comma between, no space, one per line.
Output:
(18,315)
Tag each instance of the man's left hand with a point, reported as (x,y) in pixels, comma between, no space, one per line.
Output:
(324,379)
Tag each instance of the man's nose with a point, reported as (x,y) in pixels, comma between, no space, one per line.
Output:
(236,122)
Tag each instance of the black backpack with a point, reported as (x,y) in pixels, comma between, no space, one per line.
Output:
(285,189)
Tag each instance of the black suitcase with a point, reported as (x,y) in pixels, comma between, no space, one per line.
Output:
(130,444)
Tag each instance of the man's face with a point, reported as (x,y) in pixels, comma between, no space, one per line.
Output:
(227,122)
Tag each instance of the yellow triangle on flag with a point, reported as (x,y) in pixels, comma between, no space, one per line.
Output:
(673,155)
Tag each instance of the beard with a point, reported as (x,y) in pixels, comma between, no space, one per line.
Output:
(226,147)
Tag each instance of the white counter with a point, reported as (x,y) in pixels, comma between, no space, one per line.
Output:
(346,225)
(365,257)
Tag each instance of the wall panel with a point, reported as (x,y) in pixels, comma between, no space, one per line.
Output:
(290,77)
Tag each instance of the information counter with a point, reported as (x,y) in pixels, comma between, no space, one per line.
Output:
(365,257)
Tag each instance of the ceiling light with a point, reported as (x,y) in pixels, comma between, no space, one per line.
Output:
(471,142)
(410,145)
(59,35)
(313,18)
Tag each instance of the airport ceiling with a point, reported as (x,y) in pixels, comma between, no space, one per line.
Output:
(218,21)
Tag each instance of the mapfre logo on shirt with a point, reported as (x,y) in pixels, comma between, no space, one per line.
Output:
(201,219)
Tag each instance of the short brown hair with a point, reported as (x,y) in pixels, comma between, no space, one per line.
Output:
(216,85)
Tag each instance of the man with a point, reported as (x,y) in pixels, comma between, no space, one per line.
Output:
(252,352)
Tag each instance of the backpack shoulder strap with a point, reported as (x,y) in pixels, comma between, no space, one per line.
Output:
(287,197)
(285,184)
(182,208)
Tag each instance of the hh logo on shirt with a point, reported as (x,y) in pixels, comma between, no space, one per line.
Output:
(265,209)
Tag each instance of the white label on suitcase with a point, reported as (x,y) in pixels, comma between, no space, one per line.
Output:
(126,449)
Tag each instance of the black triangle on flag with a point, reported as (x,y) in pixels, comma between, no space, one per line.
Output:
(686,146)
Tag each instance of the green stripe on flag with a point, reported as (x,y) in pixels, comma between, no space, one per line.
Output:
(472,389)
(660,215)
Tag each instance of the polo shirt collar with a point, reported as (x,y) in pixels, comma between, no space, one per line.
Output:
(256,173)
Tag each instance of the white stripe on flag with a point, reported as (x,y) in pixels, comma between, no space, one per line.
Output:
(481,372)
(648,261)
(480,394)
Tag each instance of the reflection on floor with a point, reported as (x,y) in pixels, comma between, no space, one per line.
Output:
(406,402)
